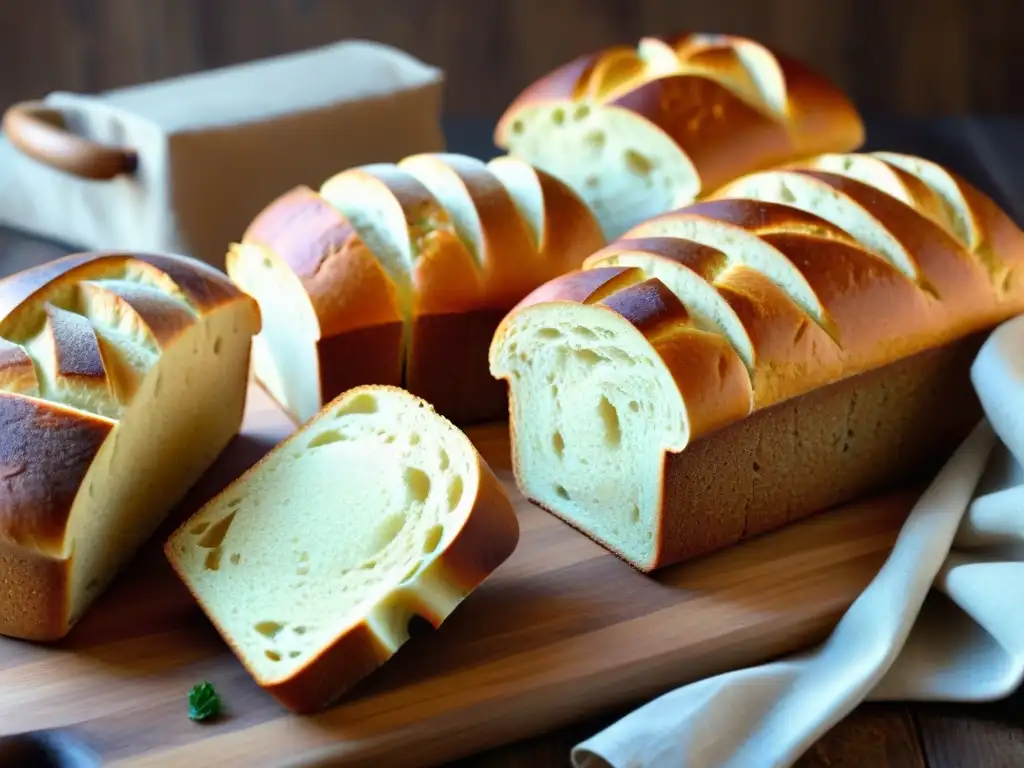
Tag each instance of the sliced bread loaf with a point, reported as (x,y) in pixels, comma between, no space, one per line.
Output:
(799,340)
(398,274)
(313,562)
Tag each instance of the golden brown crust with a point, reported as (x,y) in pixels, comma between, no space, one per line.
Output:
(347,286)
(824,119)
(571,231)
(585,286)
(508,262)
(330,675)
(703,260)
(754,216)
(867,302)
(568,81)
(957,278)
(164,320)
(201,285)
(487,539)
(722,135)
(75,348)
(19,288)
(445,276)
(885,428)
(45,452)
(1001,240)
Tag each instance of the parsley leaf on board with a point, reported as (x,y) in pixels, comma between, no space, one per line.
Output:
(203,702)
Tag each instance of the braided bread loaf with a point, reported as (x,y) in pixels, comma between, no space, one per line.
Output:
(641,131)
(122,377)
(398,274)
(800,340)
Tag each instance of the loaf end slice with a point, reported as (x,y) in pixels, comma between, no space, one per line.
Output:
(312,563)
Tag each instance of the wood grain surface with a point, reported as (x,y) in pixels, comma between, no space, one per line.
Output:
(916,57)
(561,632)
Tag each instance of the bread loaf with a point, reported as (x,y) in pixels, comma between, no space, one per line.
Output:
(312,563)
(122,377)
(800,340)
(638,131)
(398,274)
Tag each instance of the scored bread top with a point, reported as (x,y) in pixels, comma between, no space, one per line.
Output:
(811,276)
(77,336)
(432,234)
(731,104)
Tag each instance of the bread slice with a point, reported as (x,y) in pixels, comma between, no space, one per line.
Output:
(640,131)
(799,340)
(122,378)
(313,562)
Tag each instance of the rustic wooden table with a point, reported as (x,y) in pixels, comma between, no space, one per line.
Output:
(989,153)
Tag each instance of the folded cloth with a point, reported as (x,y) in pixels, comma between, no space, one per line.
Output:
(940,621)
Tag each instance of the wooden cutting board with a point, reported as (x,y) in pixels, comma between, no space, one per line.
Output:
(561,632)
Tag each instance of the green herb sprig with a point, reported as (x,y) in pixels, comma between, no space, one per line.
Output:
(203,702)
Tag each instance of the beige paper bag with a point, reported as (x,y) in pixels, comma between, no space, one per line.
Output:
(183,165)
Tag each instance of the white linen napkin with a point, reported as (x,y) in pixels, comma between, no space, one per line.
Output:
(940,621)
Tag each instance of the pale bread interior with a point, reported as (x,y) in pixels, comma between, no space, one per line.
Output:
(594,408)
(623,166)
(174,410)
(865,168)
(284,353)
(958,212)
(766,75)
(340,524)
(520,179)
